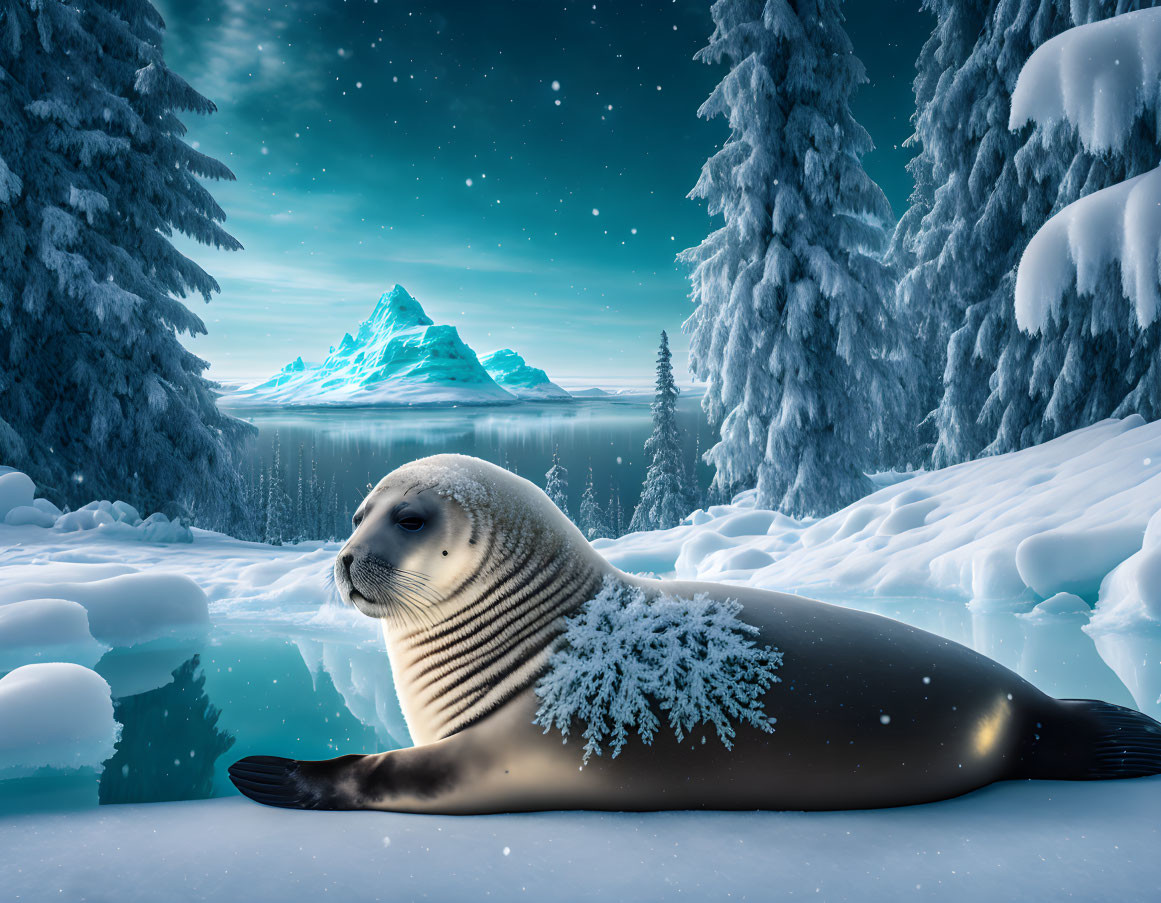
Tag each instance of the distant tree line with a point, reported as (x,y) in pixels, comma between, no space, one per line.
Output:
(670,490)
(294,505)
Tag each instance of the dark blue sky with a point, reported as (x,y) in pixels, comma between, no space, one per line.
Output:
(521,167)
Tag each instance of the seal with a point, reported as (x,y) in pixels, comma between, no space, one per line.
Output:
(473,572)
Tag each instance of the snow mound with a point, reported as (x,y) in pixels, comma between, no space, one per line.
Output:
(54,715)
(1131,593)
(1118,226)
(118,520)
(513,373)
(123,610)
(1076,515)
(1099,77)
(623,656)
(397,356)
(16,492)
(46,630)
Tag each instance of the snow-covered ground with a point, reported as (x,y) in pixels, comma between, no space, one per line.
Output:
(1047,559)
(1035,841)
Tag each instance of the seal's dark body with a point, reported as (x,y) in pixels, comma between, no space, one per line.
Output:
(858,726)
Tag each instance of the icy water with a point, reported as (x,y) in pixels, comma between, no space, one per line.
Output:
(360,445)
(188,711)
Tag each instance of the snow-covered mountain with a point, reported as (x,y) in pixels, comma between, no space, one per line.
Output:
(397,356)
(512,372)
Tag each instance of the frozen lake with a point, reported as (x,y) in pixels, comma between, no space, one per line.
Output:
(361,445)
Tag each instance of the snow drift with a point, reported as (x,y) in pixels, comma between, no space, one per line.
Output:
(54,715)
(1076,515)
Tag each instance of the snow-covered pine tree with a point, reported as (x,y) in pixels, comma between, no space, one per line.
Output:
(315,495)
(300,528)
(925,258)
(98,398)
(616,512)
(791,328)
(593,521)
(336,528)
(981,191)
(556,484)
(262,507)
(278,505)
(665,496)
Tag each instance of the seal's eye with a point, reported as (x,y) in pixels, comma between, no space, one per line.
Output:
(412,523)
(358,518)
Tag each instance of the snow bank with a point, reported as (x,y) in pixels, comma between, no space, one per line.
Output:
(16,491)
(1131,593)
(1002,532)
(1120,225)
(118,519)
(54,715)
(1098,77)
(121,520)
(55,630)
(127,609)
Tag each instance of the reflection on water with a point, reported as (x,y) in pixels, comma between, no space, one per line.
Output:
(360,445)
(169,743)
(1054,652)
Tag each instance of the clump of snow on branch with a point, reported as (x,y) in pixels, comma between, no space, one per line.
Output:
(1098,77)
(625,657)
(1121,224)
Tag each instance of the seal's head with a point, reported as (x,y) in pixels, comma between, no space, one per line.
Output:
(434,532)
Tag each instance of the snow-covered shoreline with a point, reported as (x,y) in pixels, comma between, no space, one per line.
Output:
(1075,519)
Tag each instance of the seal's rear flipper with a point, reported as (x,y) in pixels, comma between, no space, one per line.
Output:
(271,780)
(1090,740)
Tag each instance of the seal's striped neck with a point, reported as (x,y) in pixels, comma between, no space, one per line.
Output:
(494,630)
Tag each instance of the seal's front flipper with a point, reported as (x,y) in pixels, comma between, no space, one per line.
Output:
(270,780)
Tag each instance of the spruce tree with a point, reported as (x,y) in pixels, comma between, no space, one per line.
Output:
(665,496)
(593,521)
(616,512)
(791,330)
(556,484)
(278,507)
(300,529)
(335,528)
(98,398)
(316,502)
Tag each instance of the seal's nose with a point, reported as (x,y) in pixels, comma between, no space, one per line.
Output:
(345,562)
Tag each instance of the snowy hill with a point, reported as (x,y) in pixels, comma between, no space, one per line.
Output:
(1064,526)
(398,355)
(513,373)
